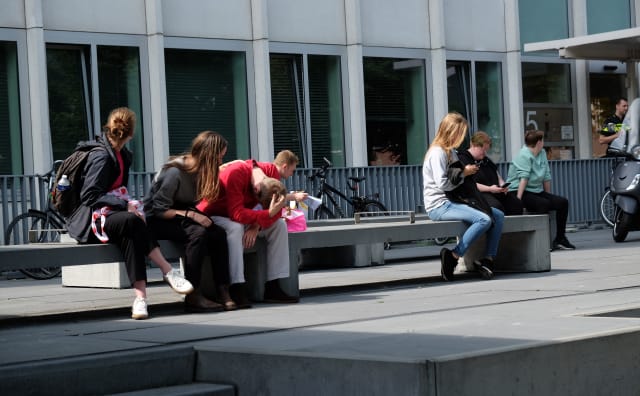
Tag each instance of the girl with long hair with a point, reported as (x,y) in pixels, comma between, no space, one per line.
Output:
(443,179)
(170,206)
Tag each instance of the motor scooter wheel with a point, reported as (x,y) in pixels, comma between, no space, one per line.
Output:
(621,225)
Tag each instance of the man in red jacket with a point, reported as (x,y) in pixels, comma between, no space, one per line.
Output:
(244,185)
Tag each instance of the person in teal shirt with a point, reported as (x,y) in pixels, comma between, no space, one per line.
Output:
(530,180)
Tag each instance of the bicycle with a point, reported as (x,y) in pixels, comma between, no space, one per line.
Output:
(366,206)
(37,226)
(607,202)
(608,208)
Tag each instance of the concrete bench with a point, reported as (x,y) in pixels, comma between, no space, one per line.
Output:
(524,247)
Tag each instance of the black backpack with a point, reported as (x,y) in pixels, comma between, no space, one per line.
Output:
(67,200)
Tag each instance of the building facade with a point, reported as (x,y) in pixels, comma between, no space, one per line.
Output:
(348,80)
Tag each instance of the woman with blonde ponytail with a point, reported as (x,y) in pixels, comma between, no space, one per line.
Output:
(447,196)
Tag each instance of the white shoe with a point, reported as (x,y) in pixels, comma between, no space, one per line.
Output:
(139,309)
(178,283)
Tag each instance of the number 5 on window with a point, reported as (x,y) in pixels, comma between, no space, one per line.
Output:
(531,113)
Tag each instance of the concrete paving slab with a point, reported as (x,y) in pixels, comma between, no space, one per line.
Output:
(432,329)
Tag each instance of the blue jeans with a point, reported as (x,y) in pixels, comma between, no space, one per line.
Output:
(479,223)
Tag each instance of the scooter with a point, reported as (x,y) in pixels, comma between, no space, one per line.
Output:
(625,179)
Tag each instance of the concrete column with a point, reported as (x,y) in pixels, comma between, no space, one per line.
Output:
(262,145)
(582,101)
(514,122)
(356,131)
(41,151)
(439,103)
(157,86)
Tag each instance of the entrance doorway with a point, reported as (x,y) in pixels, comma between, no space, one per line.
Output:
(605,90)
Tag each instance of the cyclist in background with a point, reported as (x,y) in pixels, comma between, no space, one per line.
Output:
(612,125)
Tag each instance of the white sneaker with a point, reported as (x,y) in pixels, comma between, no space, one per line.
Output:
(178,283)
(139,309)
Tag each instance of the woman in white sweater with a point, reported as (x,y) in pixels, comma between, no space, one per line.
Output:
(444,178)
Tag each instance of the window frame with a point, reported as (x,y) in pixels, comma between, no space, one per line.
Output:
(573,105)
(407,53)
(93,41)
(486,57)
(192,43)
(304,50)
(19,37)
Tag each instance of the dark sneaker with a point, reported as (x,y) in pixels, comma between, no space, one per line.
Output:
(239,296)
(274,294)
(447,264)
(483,266)
(562,244)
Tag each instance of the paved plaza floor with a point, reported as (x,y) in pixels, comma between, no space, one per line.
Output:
(401,312)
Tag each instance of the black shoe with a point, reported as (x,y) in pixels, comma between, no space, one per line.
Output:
(274,294)
(447,264)
(484,267)
(196,302)
(562,244)
(239,296)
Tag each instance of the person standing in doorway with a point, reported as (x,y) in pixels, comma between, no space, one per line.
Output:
(611,129)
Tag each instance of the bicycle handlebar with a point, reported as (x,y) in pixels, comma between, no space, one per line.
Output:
(52,171)
(322,171)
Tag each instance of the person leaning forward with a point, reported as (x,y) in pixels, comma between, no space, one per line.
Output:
(245,184)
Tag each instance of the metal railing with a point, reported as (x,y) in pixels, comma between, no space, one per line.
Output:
(398,187)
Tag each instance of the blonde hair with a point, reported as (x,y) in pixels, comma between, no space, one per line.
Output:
(120,125)
(286,157)
(268,188)
(480,138)
(205,152)
(451,132)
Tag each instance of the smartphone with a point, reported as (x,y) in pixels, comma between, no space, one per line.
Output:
(505,185)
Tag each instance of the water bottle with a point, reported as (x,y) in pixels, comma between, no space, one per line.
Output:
(64,183)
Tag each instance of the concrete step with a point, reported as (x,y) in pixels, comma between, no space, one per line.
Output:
(101,374)
(195,389)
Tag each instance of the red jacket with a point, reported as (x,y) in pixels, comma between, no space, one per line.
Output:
(237,198)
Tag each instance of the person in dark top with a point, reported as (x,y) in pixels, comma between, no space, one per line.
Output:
(612,125)
(488,179)
(107,214)
(171,214)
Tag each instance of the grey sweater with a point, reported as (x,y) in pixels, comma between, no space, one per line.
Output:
(434,177)
(172,189)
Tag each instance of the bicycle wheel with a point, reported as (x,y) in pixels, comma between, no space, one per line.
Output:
(373,208)
(608,208)
(34,227)
(323,213)
(441,240)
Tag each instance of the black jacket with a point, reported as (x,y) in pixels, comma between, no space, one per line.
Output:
(99,174)
(467,192)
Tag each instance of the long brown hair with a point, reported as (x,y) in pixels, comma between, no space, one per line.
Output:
(206,149)
(451,132)
(120,125)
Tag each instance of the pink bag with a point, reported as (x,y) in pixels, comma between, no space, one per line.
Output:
(295,219)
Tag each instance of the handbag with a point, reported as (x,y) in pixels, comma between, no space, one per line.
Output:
(295,219)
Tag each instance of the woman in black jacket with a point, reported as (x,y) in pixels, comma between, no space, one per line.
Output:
(107,214)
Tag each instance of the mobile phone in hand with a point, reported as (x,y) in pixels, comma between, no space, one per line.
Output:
(505,185)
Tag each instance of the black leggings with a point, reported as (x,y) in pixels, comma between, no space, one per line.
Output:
(543,202)
(199,242)
(508,204)
(130,234)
